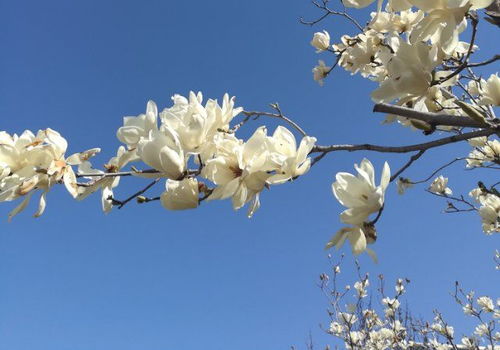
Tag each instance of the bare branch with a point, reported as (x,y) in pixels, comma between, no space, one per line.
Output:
(405,149)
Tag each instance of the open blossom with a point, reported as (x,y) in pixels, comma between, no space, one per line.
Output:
(490,91)
(439,186)
(359,193)
(490,214)
(358,238)
(29,163)
(321,41)
(240,170)
(365,53)
(486,304)
(290,160)
(320,72)
(136,128)
(409,72)
(486,151)
(180,195)
(196,124)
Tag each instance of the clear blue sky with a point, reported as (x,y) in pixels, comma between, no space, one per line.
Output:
(145,278)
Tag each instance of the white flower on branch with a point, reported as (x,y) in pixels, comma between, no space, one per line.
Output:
(490,91)
(486,304)
(358,237)
(359,193)
(439,186)
(321,41)
(181,195)
(240,170)
(320,72)
(290,161)
(29,163)
(196,124)
(162,150)
(136,128)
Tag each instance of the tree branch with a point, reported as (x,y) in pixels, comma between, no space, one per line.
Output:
(405,149)
(434,119)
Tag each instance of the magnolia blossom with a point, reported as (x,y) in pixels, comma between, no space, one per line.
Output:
(29,163)
(490,213)
(439,186)
(486,151)
(409,72)
(240,170)
(136,128)
(195,124)
(359,193)
(490,91)
(321,41)
(162,150)
(320,72)
(290,161)
(358,238)
(403,184)
(181,195)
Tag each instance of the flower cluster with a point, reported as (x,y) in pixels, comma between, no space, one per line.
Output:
(192,133)
(360,324)
(411,49)
(31,163)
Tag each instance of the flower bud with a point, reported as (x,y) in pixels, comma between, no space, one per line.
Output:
(321,41)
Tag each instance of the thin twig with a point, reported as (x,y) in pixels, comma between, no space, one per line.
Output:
(407,165)
(122,203)
(278,115)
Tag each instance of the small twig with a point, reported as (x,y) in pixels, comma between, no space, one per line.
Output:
(407,165)
(278,115)
(122,203)
(484,63)
(329,12)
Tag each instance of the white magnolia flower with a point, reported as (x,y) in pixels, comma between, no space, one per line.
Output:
(321,41)
(403,184)
(365,53)
(439,186)
(290,161)
(490,91)
(181,195)
(196,124)
(29,163)
(240,170)
(162,150)
(358,238)
(359,193)
(490,213)
(409,72)
(320,72)
(486,304)
(136,128)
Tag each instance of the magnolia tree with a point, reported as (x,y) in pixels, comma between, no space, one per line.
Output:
(423,71)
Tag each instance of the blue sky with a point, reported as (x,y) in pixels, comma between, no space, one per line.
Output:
(145,278)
